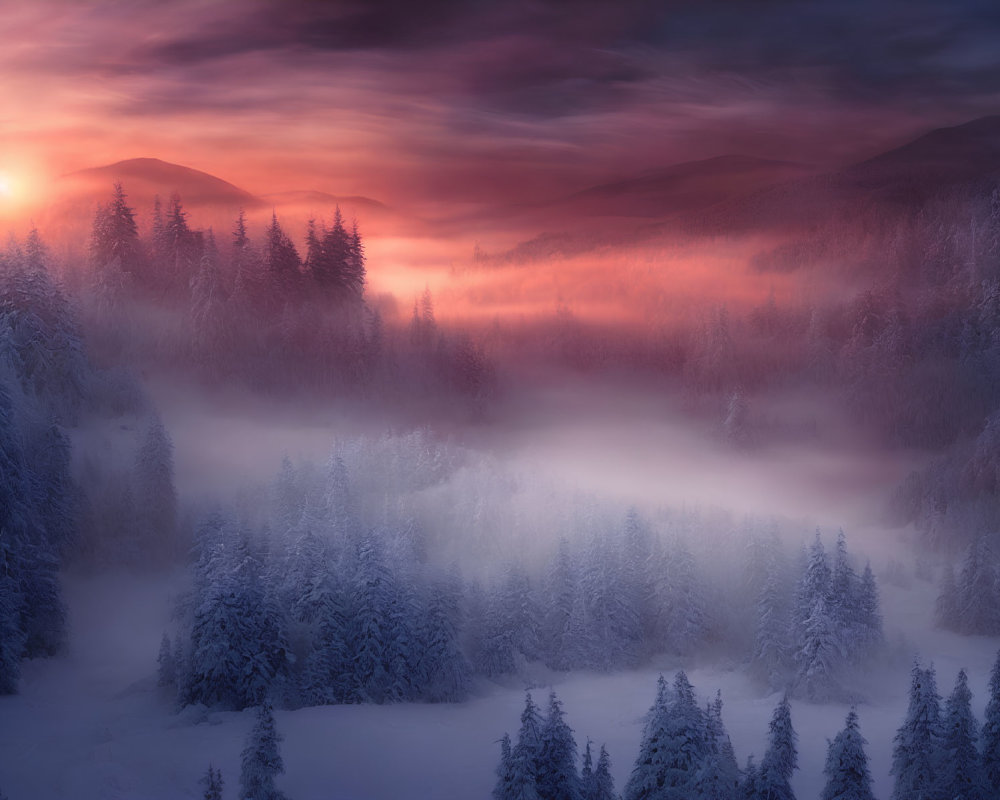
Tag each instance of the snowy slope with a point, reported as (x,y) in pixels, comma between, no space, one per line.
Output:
(92,724)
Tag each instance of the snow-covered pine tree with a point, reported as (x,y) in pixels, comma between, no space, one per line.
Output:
(638,614)
(588,783)
(504,787)
(869,614)
(991,732)
(961,768)
(781,758)
(560,593)
(327,674)
(368,634)
(673,755)
(519,614)
(604,784)
(649,773)
(556,778)
(720,775)
(261,760)
(212,784)
(494,651)
(916,755)
(442,671)
(979,590)
(12,637)
(750,785)
(772,658)
(820,656)
(402,645)
(687,617)
(156,498)
(237,649)
(846,770)
(166,674)
(529,736)
(820,653)
(814,584)
(843,586)
(947,605)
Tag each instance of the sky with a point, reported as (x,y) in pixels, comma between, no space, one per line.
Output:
(451,102)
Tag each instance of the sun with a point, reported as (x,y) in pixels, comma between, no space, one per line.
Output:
(6,187)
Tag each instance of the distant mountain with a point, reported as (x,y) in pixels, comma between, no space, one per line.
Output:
(322,202)
(684,187)
(210,200)
(943,156)
(898,181)
(145,178)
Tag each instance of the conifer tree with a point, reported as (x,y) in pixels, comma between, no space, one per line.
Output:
(328,671)
(961,769)
(212,784)
(12,638)
(869,613)
(846,770)
(505,785)
(604,784)
(917,752)
(115,235)
(156,497)
(167,667)
(529,737)
(560,594)
(781,758)
(368,633)
(772,649)
(991,732)
(750,785)
(720,775)
(261,760)
(649,773)
(442,672)
(674,748)
(588,783)
(556,778)
(686,621)
(280,266)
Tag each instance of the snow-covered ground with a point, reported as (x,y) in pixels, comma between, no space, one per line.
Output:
(92,725)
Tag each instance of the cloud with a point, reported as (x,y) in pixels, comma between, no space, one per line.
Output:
(485,100)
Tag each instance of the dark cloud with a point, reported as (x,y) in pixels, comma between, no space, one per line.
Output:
(551,58)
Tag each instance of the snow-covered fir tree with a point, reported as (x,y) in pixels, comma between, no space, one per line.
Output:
(917,755)
(990,738)
(674,746)
(237,646)
(212,784)
(560,594)
(166,665)
(556,777)
(529,736)
(604,784)
(442,672)
(720,774)
(504,788)
(772,657)
(156,498)
(260,762)
(750,785)
(846,769)
(781,757)
(961,767)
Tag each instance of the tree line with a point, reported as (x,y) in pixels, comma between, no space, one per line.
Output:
(940,752)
